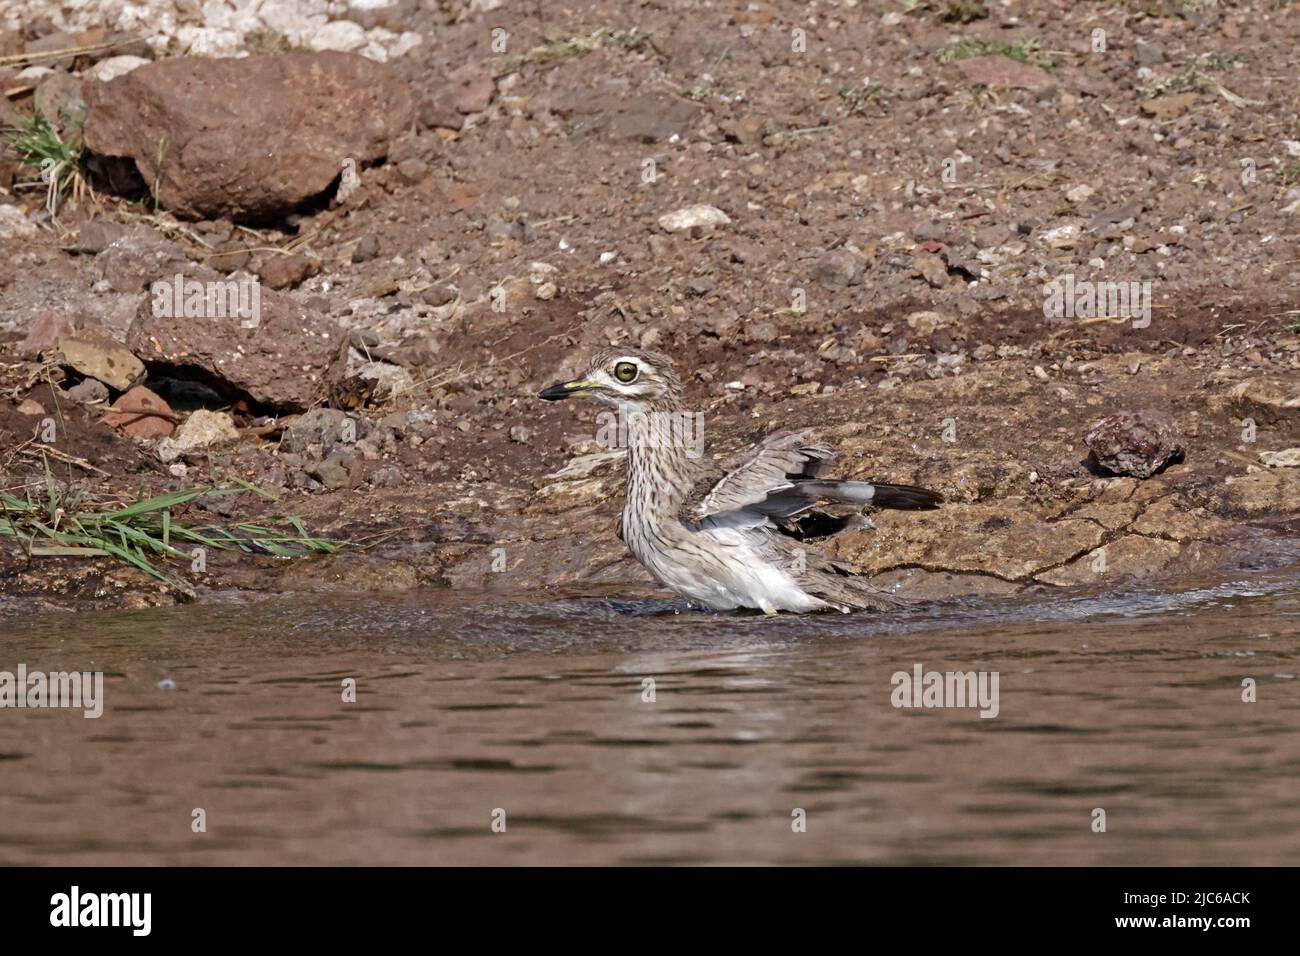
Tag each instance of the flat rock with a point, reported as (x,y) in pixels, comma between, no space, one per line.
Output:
(1286,458)
(1265,400)
(1131,556)
(306,112)
(1262,494)
(1167,107)
(284,363)
(971,539)
(130,262)
(115,66)
(95,355)
(141,413)
(1135,443)
(1173,518)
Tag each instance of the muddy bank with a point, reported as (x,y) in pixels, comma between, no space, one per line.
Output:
(1027,506)
(889,230)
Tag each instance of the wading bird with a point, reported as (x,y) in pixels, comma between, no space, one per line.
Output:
(734,534)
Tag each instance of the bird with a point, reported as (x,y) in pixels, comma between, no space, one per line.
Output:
(734,534)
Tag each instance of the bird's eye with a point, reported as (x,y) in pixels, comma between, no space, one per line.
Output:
(625,372)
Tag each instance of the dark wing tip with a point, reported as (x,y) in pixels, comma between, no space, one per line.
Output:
(906,497)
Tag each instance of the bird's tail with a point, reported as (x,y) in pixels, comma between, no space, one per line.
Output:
(845,591)
(904,497)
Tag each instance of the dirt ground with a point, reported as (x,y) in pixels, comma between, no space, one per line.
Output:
(896,203)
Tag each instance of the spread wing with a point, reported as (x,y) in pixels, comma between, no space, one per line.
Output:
(761,481)
(780,481)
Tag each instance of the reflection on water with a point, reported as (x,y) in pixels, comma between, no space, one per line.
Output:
(536,706)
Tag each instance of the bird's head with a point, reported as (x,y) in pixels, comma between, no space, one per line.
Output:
(623,376)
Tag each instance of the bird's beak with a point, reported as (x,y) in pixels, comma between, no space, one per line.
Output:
(562,390)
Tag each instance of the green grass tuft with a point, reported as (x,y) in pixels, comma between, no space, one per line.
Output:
(859,97)
(559,50)
(60,522)
(1029,52)
(37,143)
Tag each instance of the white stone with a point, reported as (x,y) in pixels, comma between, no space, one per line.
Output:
(689,217)
(201,429)
(1287,458)
(390,380)
(340,35)
(114,67)
(405,43)
(1062,237)
(205,41)
(14,224)
(539,272)
(925,323)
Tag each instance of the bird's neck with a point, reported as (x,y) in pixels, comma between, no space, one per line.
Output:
(664,443)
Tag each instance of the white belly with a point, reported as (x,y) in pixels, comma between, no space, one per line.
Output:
(723,572)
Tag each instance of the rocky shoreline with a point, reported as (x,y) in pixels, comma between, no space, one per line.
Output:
(346,290)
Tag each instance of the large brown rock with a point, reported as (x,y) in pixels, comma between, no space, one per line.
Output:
(247,138)
(1135,443)
(284,363)
(141,413)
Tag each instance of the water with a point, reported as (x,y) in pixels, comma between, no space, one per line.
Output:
(471,704)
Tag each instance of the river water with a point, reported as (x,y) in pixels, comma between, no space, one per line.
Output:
(491,728)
